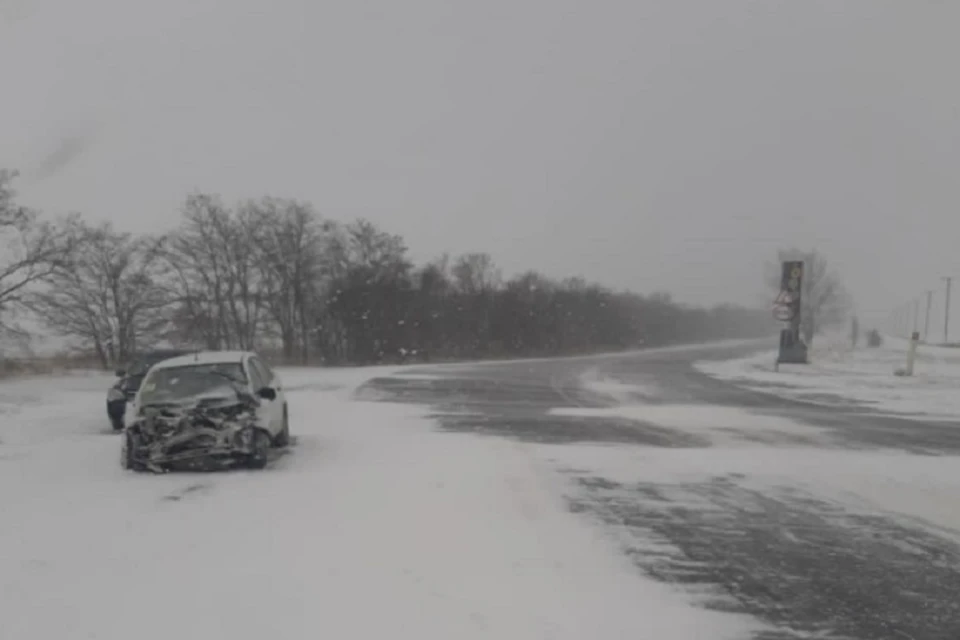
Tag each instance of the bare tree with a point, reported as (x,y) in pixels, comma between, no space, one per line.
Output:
(216,280)
(475,273)
(198,277)
(431,327)
(110,297)
(362,244)
(30,250)
(365,313)
(825,302)
(476,279)
(290,251)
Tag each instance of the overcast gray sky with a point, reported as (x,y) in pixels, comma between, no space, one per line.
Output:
(656,145)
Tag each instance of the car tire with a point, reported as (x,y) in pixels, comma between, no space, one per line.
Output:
(129,451)
(283,438)
(261,450)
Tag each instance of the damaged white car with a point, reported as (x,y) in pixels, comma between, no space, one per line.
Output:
(204,411)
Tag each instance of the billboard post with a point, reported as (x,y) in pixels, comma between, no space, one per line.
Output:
(788,308)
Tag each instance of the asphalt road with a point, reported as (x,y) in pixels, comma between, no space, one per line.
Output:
(804,566)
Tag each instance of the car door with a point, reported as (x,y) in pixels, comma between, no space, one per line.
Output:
(270,380)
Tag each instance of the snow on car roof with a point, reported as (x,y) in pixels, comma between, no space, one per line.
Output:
(203,357)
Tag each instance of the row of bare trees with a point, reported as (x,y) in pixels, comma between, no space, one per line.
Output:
(272,274)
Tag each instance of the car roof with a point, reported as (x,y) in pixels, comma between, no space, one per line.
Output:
(204,357)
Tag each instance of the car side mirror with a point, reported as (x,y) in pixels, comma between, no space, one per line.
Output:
(120,372)
(267,393)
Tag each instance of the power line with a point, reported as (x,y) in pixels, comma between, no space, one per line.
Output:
(907,314)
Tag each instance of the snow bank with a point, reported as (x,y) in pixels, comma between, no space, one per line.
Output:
(375,526)
(839,375)
(718,424)
(594,381)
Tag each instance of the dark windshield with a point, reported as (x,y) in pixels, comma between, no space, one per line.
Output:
(179,383)
(140,367)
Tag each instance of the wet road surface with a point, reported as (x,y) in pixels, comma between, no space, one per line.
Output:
(806,566)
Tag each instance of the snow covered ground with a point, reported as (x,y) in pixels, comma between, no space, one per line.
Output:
(838,374)
(896,483)
(916,491)
(376,525)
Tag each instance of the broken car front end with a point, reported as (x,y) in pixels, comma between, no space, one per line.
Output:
(207,435)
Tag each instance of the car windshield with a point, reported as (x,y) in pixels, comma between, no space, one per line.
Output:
(177,383)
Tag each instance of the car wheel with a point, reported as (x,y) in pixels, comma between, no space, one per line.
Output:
(130,451)
(283,438)
(261,450)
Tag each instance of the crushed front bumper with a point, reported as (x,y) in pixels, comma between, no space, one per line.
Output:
(199,449)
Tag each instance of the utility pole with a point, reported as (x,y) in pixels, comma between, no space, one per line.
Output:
(946,313)
(926,322)
(916,314)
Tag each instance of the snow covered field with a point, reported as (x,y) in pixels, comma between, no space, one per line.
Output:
(840,375)
(374,526)
(379,524)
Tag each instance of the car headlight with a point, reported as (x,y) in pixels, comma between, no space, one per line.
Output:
(115,394)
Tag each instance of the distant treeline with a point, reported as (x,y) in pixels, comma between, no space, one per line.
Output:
(272,274)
